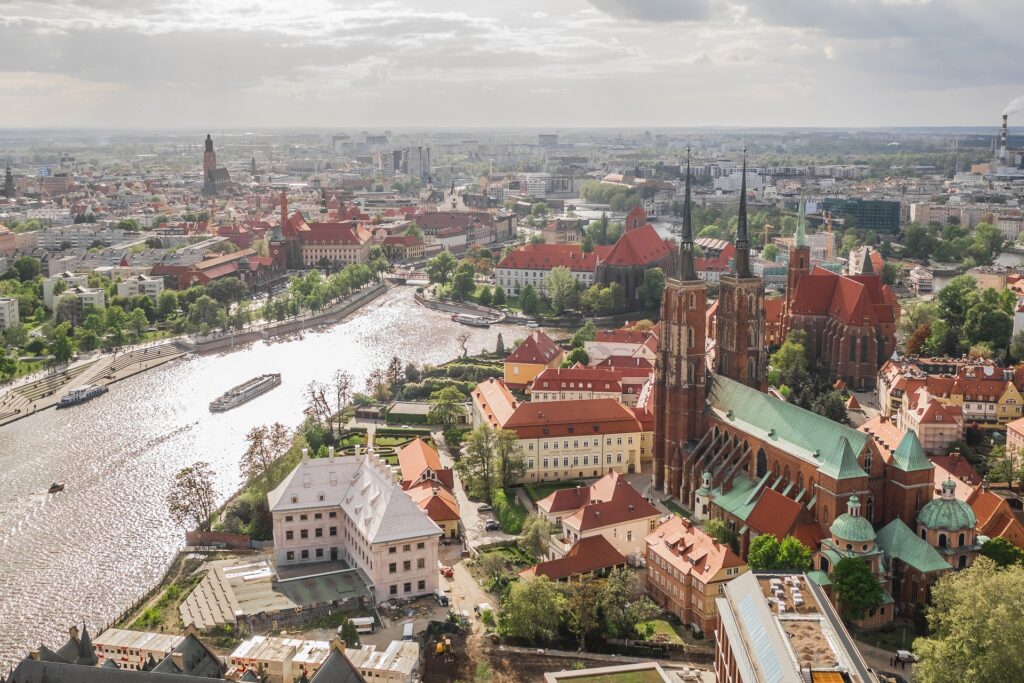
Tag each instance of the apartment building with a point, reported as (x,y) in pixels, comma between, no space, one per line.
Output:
(8,312)
(575,384)
(535,354)
(565,439)
(141,285)
(55,285)
(132,649)
(687,571)
(531,264)
(353,509)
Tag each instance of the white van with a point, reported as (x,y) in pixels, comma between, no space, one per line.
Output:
(407,631)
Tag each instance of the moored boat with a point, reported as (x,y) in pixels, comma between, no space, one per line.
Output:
(56,487)
(81,394)
(257,386)
(471,320)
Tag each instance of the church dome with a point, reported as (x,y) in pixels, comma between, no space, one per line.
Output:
(947,512)
(851,526)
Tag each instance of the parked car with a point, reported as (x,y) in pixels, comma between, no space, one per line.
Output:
(484,508)
(492,525)
(441,597)
(446,571)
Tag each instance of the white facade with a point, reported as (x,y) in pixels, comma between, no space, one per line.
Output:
(70,281)
(8,312)
(514,279)
(141,285)
(353,509)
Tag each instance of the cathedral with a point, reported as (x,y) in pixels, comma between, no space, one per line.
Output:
(727,450)
(215,180)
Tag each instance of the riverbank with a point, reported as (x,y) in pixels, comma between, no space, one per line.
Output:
(28,398)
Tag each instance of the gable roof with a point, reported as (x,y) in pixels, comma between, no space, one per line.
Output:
(909,455)
(537,348)
(415,457)
(774,514)
(809,436)
(590,554)
(548,256)
(439,503)
(611,501)
(689,550)
(638,247)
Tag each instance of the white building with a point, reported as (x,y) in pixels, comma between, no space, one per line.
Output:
(8,312)
(69,280)
(399,663)
(353,509)
(141,285)
(286,660)
(131,649)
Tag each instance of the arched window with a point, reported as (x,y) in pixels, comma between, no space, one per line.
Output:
(762,463)
(962,562)
(776,471)
(853,349)
(810,486)
(824,565)
(689,337)
(750,305)
(942,540)
(799,481)
(785,473)
(924,534)
(869,509)
(751,368)
(867,460)
(863,349)
(824,515)
(961,541)
(693,301)
(751,337)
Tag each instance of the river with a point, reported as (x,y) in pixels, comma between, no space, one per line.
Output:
(89,552)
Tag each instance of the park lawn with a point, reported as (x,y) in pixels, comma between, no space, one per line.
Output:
(509,512)
(662,628)
(543,489)
(514,555)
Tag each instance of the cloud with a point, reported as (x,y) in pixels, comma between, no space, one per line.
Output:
(656,10)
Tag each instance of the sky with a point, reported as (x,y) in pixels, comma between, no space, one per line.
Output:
(240,64)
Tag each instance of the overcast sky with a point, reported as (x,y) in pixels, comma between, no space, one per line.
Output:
(552,63)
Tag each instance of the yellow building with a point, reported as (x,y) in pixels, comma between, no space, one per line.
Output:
(537,353)
(565,439)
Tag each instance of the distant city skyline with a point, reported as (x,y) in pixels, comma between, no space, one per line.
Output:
(234,64)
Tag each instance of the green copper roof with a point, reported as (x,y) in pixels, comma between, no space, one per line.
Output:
(807,435)
(898,541)
(853,529)
(945,513)
(819,577)
(909,455)
(739,501)
(844,466)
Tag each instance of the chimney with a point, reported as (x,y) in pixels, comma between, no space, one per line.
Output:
(1003,134)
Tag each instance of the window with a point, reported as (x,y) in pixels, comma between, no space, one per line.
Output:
(393,589)
(303,518)
(406,548)
(421,563)
(332,515)
(319,552)
(392,549)
(290,555)
(289,535)
(629,535)
(334,531)
(304,533)
(407,587)
(287,518)
(295,499)
(305,554)
(406,565)
(421,545)
(393,568)
(319,532)
(319,497)
(421,585)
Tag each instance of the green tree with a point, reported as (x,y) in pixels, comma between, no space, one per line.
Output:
(463,282)
(441,267)
(771,252)
(66,308)
(789,365)
(586,333)
(62,346)
(499,296)
(1002,552)
(485,296)
(27,267)
(857,589)
(561,289)
(499,346)
(446,406)
(583,607)
(266,444)
(349,633)
(509,456)
(720,531)
(536,535)
(166,304)
(985,322)
(8,366)
(528,300)
(204,312)
(531,610)
(976,629)
(794,555)
(479,466)
(624,603)
(577,355)
(139,321)
(954,300)
(651,289)
(227,290)
(764,553)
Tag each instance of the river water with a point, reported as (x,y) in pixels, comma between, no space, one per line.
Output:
(89,552)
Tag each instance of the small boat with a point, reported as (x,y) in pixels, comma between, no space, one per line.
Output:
(257,386)
(56,487)
(471,320)
(81,394)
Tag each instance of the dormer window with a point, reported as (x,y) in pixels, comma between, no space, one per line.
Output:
(295,499)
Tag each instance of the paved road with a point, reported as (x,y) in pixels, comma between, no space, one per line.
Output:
(472,520)
(881,660)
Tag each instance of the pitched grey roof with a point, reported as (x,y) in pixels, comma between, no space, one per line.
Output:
(35,671)
(337,669)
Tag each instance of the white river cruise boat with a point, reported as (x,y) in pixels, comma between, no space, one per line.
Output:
(233,398)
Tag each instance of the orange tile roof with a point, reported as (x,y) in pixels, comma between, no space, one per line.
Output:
(774,514)
(537,348)
(439,504)
(590,554)
(639,247)
(610,501)
(689,550)
(415,457)
(494,401)
(572,418)
(559,379)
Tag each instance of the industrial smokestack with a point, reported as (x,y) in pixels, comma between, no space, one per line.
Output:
(1002,139)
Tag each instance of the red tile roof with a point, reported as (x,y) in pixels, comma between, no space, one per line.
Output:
(549,256)
(690,551)
(639,247)
(608,501)
(850,299)
(439,504)
(578,377)
(579,418)
(774,514)
(494,401)
(590,554)
(537,348)
(415,457)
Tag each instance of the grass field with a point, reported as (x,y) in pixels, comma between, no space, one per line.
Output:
(509,512)
(649,676)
